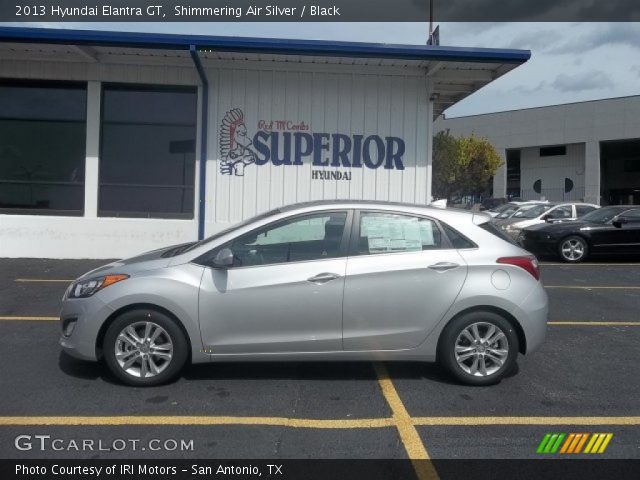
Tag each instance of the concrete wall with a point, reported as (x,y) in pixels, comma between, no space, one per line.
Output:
(585,123)
(552,172)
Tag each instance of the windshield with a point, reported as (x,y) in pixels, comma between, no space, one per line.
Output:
(532,212)
(237,226)
(603,215)
(508,211)
(501,208)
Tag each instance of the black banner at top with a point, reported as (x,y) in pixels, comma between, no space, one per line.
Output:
(319,10)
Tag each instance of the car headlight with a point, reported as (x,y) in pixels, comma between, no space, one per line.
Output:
(86,288)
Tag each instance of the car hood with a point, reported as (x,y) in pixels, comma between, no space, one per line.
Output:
(159,258)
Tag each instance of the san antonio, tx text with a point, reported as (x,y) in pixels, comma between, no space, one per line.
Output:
(142,469)
(158,11)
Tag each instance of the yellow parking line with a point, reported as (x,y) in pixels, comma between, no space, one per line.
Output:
(197,421)
(338,424)
(32,280)
(595,287)
(595,324)
(480,421)
(408,433)
(28,319)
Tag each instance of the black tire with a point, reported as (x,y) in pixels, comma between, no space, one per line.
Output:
(171,331)
(579,244)
(455,328)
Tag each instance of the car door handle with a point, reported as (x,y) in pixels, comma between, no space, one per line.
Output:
(443,266)
(323,278)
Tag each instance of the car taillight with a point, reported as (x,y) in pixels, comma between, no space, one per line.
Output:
(527,262)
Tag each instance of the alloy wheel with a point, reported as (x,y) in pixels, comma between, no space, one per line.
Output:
(572,249)
(481,349)
(143,349)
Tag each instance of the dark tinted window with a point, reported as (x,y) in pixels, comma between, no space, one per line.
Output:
(603,215)
(303,238)
(553,151)
(456,238)
(583,210)
(42,148)
(491,228)
(147,161)
(390,233)
(632,215)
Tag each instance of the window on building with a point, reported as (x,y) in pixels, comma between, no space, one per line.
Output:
(553,151)
(42,147)
(311,237)
(513,173)
(390,233)
(147,155)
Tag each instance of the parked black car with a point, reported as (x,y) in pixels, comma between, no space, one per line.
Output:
(614,229)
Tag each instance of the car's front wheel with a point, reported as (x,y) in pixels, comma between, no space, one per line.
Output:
(573,249)
(145,347)
(478,348)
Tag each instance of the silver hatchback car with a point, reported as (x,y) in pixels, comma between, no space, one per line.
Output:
(340,280)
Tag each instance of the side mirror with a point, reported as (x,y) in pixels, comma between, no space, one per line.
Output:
(547,218)
(223,259)
(619,221)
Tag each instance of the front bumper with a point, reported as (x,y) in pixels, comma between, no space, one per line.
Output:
(89,315)
(538,246)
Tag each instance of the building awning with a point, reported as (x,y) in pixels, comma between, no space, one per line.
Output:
(456,72)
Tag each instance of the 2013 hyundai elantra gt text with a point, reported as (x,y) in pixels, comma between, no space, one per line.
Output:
(339,280)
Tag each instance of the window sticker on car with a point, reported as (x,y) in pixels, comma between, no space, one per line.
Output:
(396,233)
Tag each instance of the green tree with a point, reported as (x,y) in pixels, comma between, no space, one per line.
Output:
(462,165)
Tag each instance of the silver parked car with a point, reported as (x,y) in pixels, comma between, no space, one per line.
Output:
(339,280)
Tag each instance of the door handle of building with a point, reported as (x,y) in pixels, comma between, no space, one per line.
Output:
(323,278)
(443,266)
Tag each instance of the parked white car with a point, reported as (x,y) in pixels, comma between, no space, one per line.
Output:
(552,213)
(508,209)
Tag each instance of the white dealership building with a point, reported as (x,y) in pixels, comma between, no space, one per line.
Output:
(116,143)
(577,151)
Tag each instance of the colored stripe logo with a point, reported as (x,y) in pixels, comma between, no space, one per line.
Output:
(574,443)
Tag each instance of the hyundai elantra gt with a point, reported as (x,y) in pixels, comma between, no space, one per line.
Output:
(321,281)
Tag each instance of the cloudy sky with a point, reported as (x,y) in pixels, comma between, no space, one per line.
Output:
(570,62)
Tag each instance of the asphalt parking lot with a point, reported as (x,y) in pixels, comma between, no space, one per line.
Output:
(584,379)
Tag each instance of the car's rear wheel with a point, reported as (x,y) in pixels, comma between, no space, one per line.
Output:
(145,347)
(573,249)
(478,348)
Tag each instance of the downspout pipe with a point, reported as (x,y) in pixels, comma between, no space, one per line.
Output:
(204,132)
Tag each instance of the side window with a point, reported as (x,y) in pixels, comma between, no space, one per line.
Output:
(583,210)
(390,232)
(632,216)
(561,212)
(456,238)
(310,237)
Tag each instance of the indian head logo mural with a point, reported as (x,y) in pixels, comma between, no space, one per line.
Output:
(235,145)
(289,143)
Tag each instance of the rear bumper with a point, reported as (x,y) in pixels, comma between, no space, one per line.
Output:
(533,314)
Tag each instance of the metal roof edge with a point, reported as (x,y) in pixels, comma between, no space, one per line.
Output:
(261,45)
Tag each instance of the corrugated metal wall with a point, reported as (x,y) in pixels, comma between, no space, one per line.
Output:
(346,103)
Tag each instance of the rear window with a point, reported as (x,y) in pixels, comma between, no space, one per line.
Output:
(491,228)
